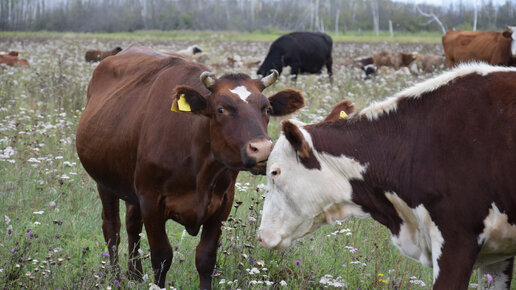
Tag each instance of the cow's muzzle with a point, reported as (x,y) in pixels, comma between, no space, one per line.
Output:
(256,153)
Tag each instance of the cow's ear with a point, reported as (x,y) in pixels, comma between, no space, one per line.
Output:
(286,102)
(507,34)
(187,99)
(296,138)
(340,111)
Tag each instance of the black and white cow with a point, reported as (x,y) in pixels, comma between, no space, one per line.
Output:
(435,164)
(304,52)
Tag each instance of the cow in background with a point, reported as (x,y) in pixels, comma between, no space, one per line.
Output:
(304,52)
(393,59)
(496,48)
(434,164)
(430,62)
(11,59)
(191,53)
(94,55)
(169,138)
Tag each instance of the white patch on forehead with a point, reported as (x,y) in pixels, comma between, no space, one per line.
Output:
(377,109)
(498,239)
(242,92)
(419,237)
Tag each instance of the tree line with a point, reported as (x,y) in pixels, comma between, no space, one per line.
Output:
(250,15)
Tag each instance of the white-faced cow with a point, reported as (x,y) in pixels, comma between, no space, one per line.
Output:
(435,164)
(496,48)
(167,137)
(304,52)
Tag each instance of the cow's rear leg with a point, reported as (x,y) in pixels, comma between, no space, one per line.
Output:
(111,224)
(161,251)
(501,273)
(134,224)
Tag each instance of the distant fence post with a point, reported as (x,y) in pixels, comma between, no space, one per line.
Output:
(390,28)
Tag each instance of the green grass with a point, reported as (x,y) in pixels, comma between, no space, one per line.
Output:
(50,219)
(352,36)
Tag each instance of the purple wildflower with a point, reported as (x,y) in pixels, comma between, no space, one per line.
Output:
(253,261)
(215,271)
(30,233)
(117,283)
(298,262)
(105,254)
(13,250)
(232,245)
(489,278)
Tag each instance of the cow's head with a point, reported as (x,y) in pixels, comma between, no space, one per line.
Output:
(306,189)
(510,33)
(239,114)
(273,61)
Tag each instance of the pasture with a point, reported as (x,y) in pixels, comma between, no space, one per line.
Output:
(50,224)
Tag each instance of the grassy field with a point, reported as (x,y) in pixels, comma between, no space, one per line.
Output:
(351,36)
(50,211)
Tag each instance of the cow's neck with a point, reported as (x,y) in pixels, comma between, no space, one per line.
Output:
(379,145)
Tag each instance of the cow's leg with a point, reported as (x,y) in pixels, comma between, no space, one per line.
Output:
(110,223)
(134,224)
(329,64)
(206,252)
(161,251)
(501,273)
(453,267)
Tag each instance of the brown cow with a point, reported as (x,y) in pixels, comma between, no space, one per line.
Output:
(11,60)
(492,47)
(393,59)
(94,55)
(169,139)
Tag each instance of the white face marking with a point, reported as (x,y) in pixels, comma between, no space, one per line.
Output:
(377,109)
(513,36)
(419,237)
(300,200)
(242,92)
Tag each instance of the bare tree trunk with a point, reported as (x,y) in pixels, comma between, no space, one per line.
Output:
(376,17)
(475,15)
(337,22)
(390,28)
(433,18)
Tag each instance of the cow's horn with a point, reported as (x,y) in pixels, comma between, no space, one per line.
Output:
(207,79)
(271,78)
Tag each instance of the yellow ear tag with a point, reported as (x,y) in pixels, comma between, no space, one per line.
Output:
(342,115)
(182,105)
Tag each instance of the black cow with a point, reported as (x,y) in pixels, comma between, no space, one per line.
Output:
(304,52)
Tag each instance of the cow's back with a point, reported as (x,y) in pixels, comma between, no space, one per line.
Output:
(310,50)
(487,46)
(122,94)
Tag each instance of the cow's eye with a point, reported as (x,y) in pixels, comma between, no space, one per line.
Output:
(268,111)
(275,172)
(220,110)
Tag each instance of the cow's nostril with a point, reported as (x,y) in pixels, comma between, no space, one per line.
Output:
(253,149)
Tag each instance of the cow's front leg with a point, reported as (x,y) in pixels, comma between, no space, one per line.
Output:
(161,251)
(133,224)
(500,272)
(453,260)
(206,252)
